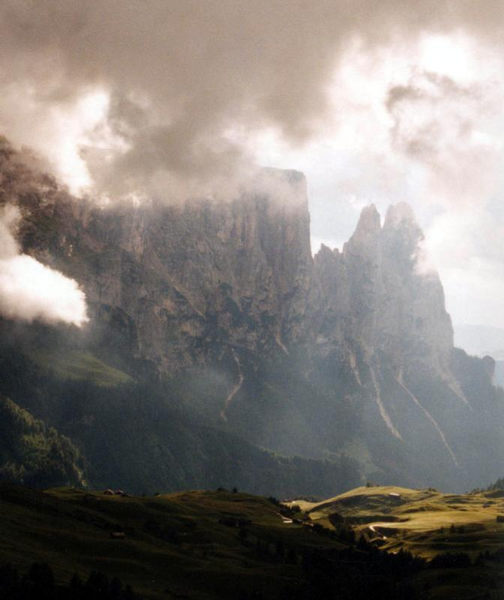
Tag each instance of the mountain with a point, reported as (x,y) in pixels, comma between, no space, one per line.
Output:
(215,335)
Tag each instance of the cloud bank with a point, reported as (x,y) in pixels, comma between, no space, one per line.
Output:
(31,291)
(179,77)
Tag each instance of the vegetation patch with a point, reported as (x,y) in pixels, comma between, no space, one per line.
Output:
(80,366)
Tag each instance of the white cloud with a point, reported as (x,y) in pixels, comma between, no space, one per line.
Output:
(32,291)
(466,248)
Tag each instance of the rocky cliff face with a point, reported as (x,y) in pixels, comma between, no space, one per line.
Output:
(375,293)
(382,317)
(349,353)
(185,281)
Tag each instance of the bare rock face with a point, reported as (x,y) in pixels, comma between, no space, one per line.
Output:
(415,317)
(206,276)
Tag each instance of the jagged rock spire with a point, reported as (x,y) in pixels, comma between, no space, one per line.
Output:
(366,234)
(369,222)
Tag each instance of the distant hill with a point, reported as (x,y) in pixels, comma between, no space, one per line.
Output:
(424,521)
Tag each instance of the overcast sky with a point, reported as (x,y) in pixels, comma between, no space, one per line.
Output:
(375,101)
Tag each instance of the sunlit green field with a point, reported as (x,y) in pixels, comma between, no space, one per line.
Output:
(425,522)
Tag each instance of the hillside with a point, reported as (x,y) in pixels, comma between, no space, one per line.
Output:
(192,544)
(34,454)
(128,433)
(225,544)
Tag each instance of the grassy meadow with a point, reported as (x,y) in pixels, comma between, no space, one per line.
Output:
(425,522)
(394,542)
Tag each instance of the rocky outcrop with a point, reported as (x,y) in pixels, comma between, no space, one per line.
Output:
(381,317)
(375,294)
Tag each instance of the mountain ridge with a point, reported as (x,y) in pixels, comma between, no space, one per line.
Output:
(342,354)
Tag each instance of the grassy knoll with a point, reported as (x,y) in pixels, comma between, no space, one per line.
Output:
(425,522)
(461,536)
